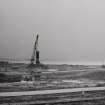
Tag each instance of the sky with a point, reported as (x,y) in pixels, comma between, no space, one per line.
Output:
(69,30)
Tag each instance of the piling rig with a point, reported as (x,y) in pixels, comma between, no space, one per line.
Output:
(35,54)
(34,61)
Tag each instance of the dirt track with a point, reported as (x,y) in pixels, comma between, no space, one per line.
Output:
(42,92)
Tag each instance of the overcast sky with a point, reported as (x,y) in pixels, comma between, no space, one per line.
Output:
(70,30)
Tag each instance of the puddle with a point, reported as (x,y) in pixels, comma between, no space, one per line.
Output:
(73,81)
(52,70)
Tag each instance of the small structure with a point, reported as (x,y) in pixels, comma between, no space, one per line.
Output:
(4,65)
(36,74)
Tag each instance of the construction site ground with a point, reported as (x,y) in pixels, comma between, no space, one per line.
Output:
(55,77)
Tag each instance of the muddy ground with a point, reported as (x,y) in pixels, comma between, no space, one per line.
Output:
(12,78)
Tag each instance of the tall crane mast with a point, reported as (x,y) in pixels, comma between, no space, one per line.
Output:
(35,54)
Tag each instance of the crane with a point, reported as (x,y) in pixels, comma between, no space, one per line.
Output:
(35,54)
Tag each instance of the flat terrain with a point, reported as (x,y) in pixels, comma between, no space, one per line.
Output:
(96,97)
(65,84)
(54,77)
